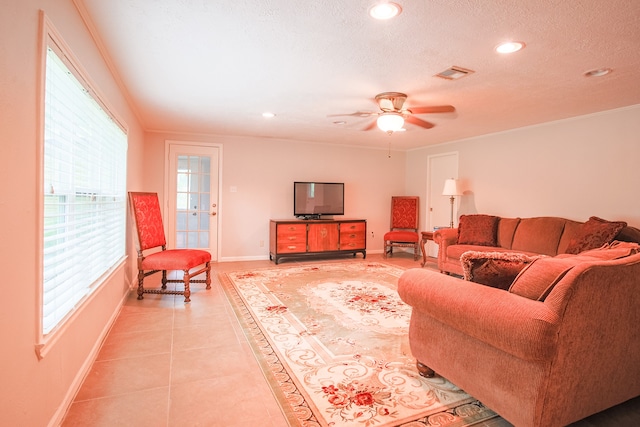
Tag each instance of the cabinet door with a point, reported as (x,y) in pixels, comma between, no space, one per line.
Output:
(352,235)
(323,237)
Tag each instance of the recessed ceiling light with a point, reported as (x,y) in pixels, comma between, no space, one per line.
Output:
(268,115)
(386,10)
(598,72)
(509,47)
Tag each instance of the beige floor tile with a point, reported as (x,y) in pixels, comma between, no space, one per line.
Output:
(238,405)
(143,320)
(203,336)
(135,344)
(121,376)
(147,408)
(208,363)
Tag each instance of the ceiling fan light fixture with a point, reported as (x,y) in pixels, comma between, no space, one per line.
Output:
(385,10)
(390,122)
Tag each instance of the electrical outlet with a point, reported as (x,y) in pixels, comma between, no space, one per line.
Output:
(262,243)
(372,236)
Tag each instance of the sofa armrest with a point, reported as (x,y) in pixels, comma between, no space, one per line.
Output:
(519,326)
(444,237)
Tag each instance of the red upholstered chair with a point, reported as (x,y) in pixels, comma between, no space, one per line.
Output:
(148,219)
(404,225)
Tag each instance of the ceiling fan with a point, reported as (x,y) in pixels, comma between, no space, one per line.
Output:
(392,114)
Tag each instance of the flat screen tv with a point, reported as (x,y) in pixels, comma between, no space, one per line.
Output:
(311,200)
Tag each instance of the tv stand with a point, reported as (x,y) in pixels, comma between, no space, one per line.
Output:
(296,238)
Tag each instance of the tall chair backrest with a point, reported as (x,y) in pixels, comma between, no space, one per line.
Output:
(405,212)
(148,219)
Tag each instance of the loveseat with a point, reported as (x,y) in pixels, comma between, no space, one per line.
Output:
(561,344)
(530,236)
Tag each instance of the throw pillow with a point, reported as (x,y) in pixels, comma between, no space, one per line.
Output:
(537,279)
(478,230)
(593,234)
(495,269)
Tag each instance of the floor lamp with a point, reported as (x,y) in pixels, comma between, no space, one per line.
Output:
(451,189)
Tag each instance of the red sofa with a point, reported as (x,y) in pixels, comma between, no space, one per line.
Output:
(561,344)
(530,236)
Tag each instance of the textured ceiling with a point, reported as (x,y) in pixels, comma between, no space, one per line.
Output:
(213,67)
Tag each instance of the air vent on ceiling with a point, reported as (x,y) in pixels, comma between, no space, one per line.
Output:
(454,73)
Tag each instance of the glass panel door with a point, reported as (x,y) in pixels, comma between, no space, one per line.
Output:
(192,202)
(192,196)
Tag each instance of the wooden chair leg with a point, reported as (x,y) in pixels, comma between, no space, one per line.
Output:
(140,284)
(208,280)
(424,370)
(187,289)
(164,279)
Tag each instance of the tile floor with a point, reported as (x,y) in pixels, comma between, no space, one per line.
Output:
(167,363)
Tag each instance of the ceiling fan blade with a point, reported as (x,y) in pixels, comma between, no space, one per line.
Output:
(371,125)
(419,122)
(434,109)
(356,114)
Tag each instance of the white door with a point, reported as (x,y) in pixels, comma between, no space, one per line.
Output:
(192,196)
(441,167)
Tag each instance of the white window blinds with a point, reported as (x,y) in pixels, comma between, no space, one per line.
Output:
(85,158)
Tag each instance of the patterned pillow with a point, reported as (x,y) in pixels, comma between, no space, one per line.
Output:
(478,230)
(495,269)
(593,234)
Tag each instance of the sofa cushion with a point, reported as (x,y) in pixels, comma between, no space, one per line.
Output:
(539,234)
(402,236)
(593,234)
(506,230)
(478,230)
(571,231)
(629,234)
(538,278)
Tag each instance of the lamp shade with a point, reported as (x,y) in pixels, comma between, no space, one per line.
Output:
(451,188)
(390,122)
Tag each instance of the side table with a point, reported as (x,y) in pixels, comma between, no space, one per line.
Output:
(426,235)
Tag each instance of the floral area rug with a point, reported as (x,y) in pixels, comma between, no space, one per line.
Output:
(332,339)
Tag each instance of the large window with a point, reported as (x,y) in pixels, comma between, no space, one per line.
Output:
(84,186)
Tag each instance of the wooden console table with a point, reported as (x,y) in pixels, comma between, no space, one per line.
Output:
(316,237)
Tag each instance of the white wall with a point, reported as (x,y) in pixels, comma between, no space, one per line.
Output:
(263,171)
(35,392)
(572,168)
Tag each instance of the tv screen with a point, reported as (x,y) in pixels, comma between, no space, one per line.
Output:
(312,199)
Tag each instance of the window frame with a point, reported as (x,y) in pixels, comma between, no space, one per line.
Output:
(50,37)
